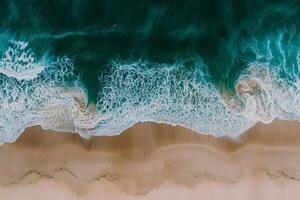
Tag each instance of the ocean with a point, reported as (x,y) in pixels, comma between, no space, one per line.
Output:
(97,67)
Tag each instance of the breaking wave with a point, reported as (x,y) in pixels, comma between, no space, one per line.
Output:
(44,98)
(142,91)
(50,94)
(132,92)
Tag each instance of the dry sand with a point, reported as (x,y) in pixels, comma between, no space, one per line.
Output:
(153,161)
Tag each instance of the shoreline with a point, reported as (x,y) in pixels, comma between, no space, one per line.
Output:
(149,160)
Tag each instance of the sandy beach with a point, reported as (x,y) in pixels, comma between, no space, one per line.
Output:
(153,161)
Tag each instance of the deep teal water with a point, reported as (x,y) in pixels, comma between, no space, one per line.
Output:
(121,51)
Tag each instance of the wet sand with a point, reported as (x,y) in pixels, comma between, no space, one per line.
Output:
(153,161)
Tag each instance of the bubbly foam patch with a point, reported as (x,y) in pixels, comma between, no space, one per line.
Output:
(49,99)
(137,93)
(262,95)
(19,62)
(54,99)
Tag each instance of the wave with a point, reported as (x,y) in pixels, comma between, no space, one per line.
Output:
(45,98)
(166,94)
(54,97)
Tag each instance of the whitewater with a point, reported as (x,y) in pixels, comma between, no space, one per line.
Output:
(48,93)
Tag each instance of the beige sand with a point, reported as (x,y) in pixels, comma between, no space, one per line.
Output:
(153,161)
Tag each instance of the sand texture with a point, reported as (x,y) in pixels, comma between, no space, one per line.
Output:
(153,161)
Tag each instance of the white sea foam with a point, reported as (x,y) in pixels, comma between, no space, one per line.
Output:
(54,99)
(262,95)
(138,92)
(19,62)
(42,101)
(169,94)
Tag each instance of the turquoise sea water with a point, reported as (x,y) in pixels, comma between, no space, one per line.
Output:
(98,67)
